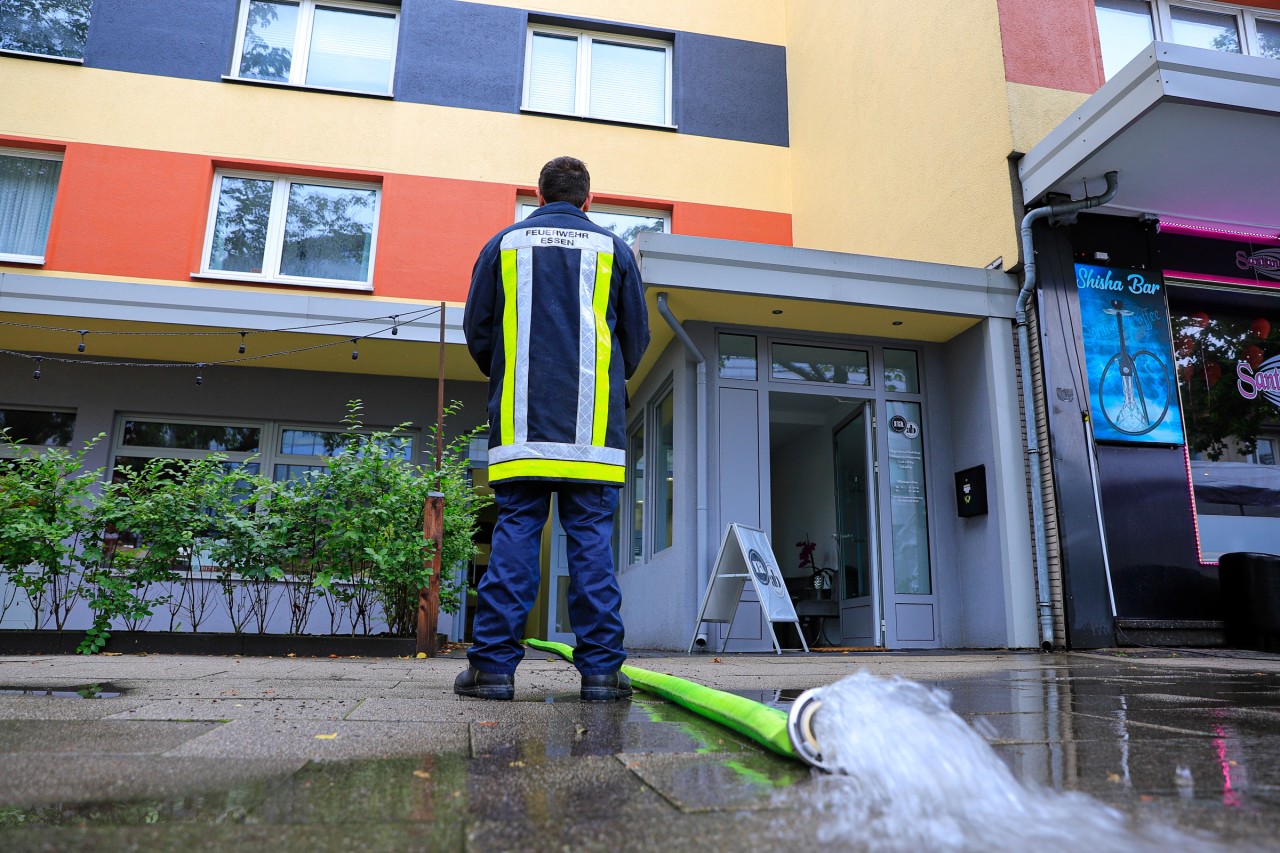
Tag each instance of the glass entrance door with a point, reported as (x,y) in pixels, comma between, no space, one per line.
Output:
(856,541)
(558,628)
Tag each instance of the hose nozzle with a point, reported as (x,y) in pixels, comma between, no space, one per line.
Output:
(800,730)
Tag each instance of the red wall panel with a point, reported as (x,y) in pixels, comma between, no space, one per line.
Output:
(1054,45)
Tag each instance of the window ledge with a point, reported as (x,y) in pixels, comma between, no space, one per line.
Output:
(598,120)
(299,87)
(44,57)
(34,260)
(283,282)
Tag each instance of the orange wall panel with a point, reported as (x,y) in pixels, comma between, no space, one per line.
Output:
(143,214)
(732,223)
(430,231)
(129,212)
(1054,45)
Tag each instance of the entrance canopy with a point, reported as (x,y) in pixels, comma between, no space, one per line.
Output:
(783,287)
(1191,131)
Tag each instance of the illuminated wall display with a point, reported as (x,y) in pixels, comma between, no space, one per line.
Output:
(1128,355)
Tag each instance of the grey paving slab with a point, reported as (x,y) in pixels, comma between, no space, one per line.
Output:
(97,736)
(242,708)
(269,688)
(41,781)
(520,740)
(191,838)
(324,740)
(454,709)
(656,832)
(717,781)
(101,668)
(562,790)
(46,708)
(427,791)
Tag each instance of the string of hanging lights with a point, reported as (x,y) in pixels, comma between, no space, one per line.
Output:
(396,321)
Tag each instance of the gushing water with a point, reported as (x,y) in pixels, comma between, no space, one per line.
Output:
(909,774)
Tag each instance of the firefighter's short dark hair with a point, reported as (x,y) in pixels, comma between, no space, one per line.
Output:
(565,179)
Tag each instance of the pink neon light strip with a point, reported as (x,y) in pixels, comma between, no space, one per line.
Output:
(1195,517)
(1221,279)
(1175,227)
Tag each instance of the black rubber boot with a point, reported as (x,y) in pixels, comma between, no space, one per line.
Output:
(605,688)
(485,685)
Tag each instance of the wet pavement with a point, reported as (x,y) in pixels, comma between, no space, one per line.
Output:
(164,752)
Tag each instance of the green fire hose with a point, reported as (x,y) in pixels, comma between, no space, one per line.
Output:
(766,726)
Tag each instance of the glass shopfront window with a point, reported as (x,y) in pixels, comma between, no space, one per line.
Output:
(1228,368)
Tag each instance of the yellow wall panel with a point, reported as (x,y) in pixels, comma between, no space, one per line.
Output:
(1035,110)
(900,130)
(246,122)
(752,20)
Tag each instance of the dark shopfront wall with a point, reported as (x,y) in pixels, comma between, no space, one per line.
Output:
(1149,525)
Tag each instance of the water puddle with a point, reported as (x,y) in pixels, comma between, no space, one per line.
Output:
(910,774)
(82,691)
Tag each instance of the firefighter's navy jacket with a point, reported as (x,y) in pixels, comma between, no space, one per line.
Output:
(556,319)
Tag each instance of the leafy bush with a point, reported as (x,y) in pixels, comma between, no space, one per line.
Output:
(44,518)
(349,534)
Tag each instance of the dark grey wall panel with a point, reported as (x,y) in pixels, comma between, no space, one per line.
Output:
(1088,602)
(177,38)
(731,89)
(461,55)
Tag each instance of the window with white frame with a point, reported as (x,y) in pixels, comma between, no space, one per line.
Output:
(1125,27)
(626,222)
(648,499)
(284,451)
(292,230)
(36,428)
(344,46)
(597,75)
(56,28)
(28,187)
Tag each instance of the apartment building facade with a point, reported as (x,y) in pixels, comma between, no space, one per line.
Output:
(232,216)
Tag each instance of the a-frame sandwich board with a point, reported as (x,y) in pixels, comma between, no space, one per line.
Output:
(745,553)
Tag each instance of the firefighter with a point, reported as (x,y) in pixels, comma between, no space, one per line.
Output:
(556,319)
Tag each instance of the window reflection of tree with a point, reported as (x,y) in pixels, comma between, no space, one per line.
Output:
(231,439)
(259,59)
(1220,421)
(244,209)
(48,27)
(327,232)
(39,429)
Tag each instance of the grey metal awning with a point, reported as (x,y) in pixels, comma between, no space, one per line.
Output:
(1192,132)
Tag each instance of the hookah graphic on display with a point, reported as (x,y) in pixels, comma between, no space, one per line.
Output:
(1130,406)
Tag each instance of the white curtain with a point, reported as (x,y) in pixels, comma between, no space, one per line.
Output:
(27,189)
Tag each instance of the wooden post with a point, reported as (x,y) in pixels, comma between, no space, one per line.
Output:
(433,525)
(429,596)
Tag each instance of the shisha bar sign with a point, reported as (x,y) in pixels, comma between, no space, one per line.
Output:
(1128,353)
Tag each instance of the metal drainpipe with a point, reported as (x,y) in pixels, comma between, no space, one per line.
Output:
(700,425)
(1024,358)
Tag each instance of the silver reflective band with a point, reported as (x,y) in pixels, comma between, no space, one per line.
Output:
(524,315)
(559,238)
(557,451)
(586,347)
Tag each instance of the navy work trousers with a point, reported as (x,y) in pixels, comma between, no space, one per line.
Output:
(507,591)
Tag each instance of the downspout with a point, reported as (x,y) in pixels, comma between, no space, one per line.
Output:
(1029,282)
(700,426)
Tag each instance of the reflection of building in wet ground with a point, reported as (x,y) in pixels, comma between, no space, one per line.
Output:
(228,752)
